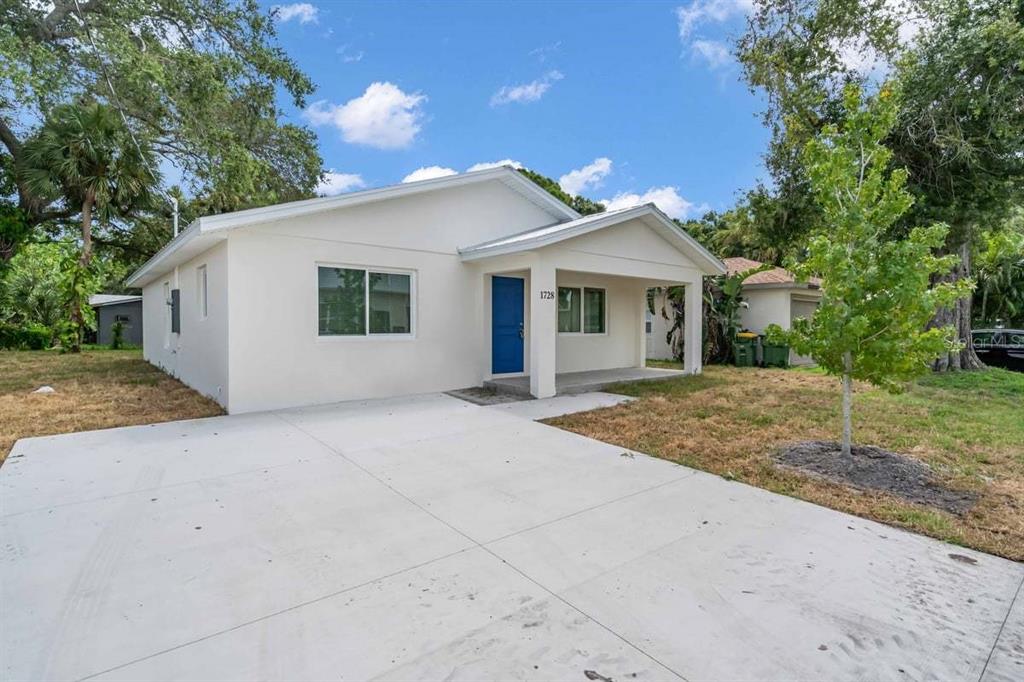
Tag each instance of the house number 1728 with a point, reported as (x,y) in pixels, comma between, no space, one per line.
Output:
(547,295)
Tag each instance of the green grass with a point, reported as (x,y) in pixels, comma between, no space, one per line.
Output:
(967,426)
(97,388)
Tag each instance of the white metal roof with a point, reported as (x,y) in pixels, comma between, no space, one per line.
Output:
(98,300)
(552,234)
(202,233)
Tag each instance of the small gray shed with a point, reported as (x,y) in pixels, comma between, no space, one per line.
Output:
(112,308)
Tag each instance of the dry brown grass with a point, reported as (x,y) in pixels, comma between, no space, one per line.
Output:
(969,428)
(96,389)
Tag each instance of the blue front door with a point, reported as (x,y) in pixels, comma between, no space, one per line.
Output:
(506,325)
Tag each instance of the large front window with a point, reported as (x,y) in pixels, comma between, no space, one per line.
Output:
(357,302)
(581,309)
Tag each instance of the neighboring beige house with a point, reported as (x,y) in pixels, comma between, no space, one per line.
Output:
(774,296)
(427,286)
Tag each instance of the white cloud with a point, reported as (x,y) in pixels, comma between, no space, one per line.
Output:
(428,172)
(714,52)
(527,92)
(383,117)
(303,11)
(589,176)
(701,12)
(665,198)
(348,56)
(339,183)
(494,164)
(542,53)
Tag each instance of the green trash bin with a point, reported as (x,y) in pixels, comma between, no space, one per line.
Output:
(743,352)
(774,355)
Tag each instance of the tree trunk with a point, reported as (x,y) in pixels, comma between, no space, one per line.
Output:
(847,404)
(84,261)
(958,317)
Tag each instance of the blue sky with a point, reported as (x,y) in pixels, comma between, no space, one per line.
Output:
(641,99)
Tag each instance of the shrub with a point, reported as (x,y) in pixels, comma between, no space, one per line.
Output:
(28,337)
(774,335)
(117,341)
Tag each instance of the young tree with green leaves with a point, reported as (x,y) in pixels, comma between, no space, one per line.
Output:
(84,156)
(878,291)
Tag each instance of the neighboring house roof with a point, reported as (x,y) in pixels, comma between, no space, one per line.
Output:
(774,278)
(204,232)
(552,234)
(98,300)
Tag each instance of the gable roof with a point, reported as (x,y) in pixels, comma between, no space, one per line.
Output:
(776,277)
(552,234)
(203,232)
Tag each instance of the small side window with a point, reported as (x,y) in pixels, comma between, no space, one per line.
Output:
(201,293)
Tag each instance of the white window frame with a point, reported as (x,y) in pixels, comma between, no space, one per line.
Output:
(202,293)
(583,303)
(367,336)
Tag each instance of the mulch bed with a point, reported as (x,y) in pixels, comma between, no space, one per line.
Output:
(874,468)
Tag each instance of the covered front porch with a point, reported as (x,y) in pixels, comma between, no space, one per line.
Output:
(565,306)
(568,383)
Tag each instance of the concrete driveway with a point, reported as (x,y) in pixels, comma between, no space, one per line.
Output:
(427,538)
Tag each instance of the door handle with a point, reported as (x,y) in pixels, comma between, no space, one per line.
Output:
(521,334)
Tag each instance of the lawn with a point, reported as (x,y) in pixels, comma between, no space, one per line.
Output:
(968,427)
(97,389)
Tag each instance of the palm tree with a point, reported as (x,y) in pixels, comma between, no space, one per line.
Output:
(85,155)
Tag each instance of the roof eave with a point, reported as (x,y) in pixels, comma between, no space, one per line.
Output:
(227,221)
(710,266)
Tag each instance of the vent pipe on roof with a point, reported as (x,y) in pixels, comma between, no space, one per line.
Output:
(174,208)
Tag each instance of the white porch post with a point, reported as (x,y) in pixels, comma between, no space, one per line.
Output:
(543,328)
(694,330)
(641,344)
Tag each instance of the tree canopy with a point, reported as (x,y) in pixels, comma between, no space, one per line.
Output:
(959,131)
(197,79)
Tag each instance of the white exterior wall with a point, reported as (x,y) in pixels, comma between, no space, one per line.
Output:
(198,355)
(617,347)
(276,356)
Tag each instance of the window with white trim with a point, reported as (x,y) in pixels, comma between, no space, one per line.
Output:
(581,309)
(364,302)
(201,294)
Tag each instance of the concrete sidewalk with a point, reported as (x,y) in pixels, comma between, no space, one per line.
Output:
(425,538)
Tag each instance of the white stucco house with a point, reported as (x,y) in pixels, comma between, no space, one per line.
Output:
(421,287)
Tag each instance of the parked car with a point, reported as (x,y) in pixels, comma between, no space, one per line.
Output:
(1000,347)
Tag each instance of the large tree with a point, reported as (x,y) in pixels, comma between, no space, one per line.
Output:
(198,79)
(85,157)
(960,128)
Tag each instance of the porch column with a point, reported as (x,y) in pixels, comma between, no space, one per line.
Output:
(694,330)
(641,344)
(543,328)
